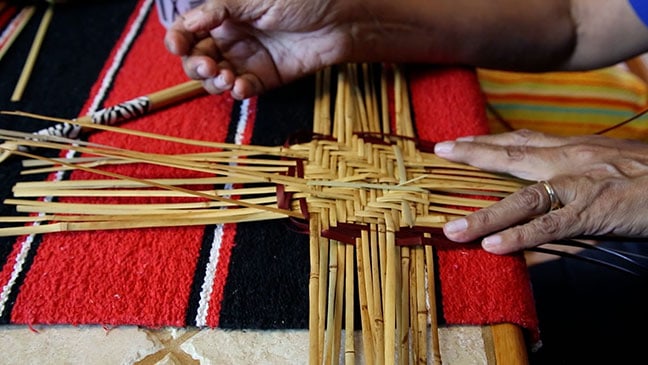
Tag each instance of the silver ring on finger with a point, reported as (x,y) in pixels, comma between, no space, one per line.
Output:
(554,201)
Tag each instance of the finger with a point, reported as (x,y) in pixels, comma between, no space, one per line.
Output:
(206,16)
(522,137)
(521,206)
(246,86)
(199,67)
(201,63)
(531,163)
(224,81)
(525,137)
(178,40)
(549,227)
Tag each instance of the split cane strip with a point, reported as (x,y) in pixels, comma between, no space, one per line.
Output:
(16,27)
(374,188)
(33,54)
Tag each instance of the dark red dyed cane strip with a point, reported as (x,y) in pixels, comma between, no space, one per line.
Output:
(284,198)
(430,236)
(345,232)
(380,139)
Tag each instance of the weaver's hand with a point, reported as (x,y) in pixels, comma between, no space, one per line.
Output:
(247,47)
(601,184)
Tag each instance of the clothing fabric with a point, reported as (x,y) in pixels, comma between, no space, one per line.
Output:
(566,103)
(641,8)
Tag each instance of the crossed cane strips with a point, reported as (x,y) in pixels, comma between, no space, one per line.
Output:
(370,198)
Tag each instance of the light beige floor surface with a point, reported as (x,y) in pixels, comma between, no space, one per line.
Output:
(21,345)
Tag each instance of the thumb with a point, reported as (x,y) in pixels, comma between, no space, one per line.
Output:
(207,16)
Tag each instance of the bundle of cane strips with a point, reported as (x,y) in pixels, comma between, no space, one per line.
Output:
(370,199)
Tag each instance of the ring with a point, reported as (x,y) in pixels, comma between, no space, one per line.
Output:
(553,197)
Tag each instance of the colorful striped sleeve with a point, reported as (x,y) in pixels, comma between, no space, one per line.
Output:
(566,103)
(641,8)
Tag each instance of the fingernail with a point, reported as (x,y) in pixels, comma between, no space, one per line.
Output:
(201,70)
(219,82)
(465,139)
(191,18)
(456,226)
(444,148)
(492,242)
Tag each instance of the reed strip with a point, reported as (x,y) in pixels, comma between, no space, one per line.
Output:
(384,97)
(123,191)
(339,301)
(403,323)
(145,193)
(125,184)
(133,224)
(390,295)
(16,27)
(435,347)
(324,286)
(143,215)
(275,151)
(366,315)
(313,289)
(33,54)
(377,247)
(322,123)
(161,160)
(349,305)
(413,307)
(174,188)
(244,164)
(31,206)
(338,108)
(421,307)
(329,337)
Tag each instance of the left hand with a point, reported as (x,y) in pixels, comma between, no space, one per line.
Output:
(601,182)
(247,47)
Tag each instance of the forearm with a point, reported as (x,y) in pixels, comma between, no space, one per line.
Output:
(532,35)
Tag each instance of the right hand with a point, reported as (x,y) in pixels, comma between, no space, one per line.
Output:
(601,183)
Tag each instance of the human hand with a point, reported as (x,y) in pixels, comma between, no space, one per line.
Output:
(248,47)
(602,184)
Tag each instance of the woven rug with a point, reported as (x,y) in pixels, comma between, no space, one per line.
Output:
(251,275)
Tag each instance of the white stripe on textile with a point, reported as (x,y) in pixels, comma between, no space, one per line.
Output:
(120,55)
(26,244)
(214,253)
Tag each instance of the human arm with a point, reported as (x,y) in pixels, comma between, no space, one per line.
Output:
(601,182)
(249,46)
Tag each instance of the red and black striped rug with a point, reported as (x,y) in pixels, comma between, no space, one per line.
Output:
(252,275)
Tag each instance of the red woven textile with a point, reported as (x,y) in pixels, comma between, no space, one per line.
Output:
(179,276)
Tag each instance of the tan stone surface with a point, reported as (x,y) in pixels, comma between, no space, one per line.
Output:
(462,345)
(177,346)
(72,345)
(220,347)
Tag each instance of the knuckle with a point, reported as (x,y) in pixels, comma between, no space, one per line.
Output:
(542,229)
(521,235)
(515,153)
(550,224)
(523,136)
(584,152)
(532,198)
(484,217)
